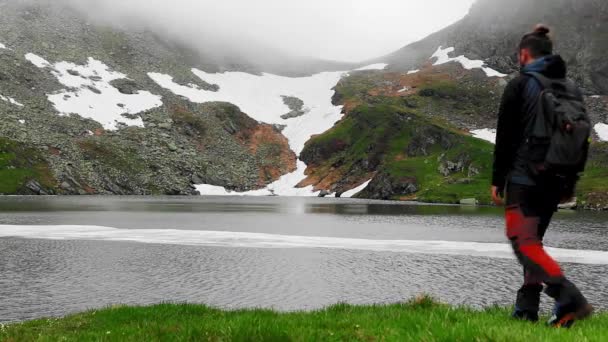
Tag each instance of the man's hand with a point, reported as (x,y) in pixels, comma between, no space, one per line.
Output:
(497,196)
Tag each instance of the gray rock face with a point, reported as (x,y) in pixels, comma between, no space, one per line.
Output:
(125,86)
(493,28)
(295,105)
(36,188)
(181,143)
(385,186)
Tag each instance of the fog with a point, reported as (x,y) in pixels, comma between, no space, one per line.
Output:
(344,30)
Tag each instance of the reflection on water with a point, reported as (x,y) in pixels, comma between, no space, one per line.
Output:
(294,205)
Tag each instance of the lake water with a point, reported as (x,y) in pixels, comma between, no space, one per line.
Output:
(61,255)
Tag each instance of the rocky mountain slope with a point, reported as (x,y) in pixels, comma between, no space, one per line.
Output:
(407,130)
(131,136)
(493,28)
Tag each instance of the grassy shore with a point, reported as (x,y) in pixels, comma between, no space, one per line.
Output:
(420,320)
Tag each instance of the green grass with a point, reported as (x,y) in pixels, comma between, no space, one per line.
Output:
(420,320)
(592,189)
(20,164)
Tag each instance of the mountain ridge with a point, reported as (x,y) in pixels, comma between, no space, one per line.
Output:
(492,29)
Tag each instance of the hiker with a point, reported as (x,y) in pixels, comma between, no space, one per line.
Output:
(541,148)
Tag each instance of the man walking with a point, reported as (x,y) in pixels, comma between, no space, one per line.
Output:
(541,147)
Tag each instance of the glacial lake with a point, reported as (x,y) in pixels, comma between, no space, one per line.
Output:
(61,255)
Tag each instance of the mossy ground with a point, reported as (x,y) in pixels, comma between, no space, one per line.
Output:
(592,190)
(379,132)
(20,164)
(420,320)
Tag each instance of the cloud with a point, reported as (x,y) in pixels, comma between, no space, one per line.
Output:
(347,30)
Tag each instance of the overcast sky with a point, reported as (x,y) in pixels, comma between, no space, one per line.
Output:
(346,30)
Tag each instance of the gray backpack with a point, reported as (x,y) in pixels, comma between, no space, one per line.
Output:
(561,127)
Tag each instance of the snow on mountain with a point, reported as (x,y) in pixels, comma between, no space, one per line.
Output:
(213,190)
(378,66)
(10,100)
(602,131)
(490,134)
(486,134)
(443,57)
(353,192)
(2,46)
(413,71)
(261,97)
(91,95)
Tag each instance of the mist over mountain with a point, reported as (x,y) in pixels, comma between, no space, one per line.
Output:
(48,22)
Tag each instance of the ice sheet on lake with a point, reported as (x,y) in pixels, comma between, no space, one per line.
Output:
(602,131)
(261,97)
(486,134)
(443,57)
(259,240)
(92,96)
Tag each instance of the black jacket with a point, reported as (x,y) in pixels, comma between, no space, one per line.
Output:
(516,110)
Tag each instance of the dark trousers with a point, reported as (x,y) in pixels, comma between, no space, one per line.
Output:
(528,215)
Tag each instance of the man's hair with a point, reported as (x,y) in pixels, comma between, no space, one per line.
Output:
(538,42)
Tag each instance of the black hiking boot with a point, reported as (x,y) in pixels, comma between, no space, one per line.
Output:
(570,305)
(565,316)
(528,302)
(525,315)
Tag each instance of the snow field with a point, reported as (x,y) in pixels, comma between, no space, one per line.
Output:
(91,95)
(443,57)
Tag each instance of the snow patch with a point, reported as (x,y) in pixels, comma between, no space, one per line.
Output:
(260,240)
(596,96)
(602,131)
(212,190)
(353,192)
(37,61)
(22,122)
(378,66)
(413,72)
(284,186)
(486,134)
(443,57)
(2,46)
(403,90)
(261,97)
(91,95)
(10,100)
